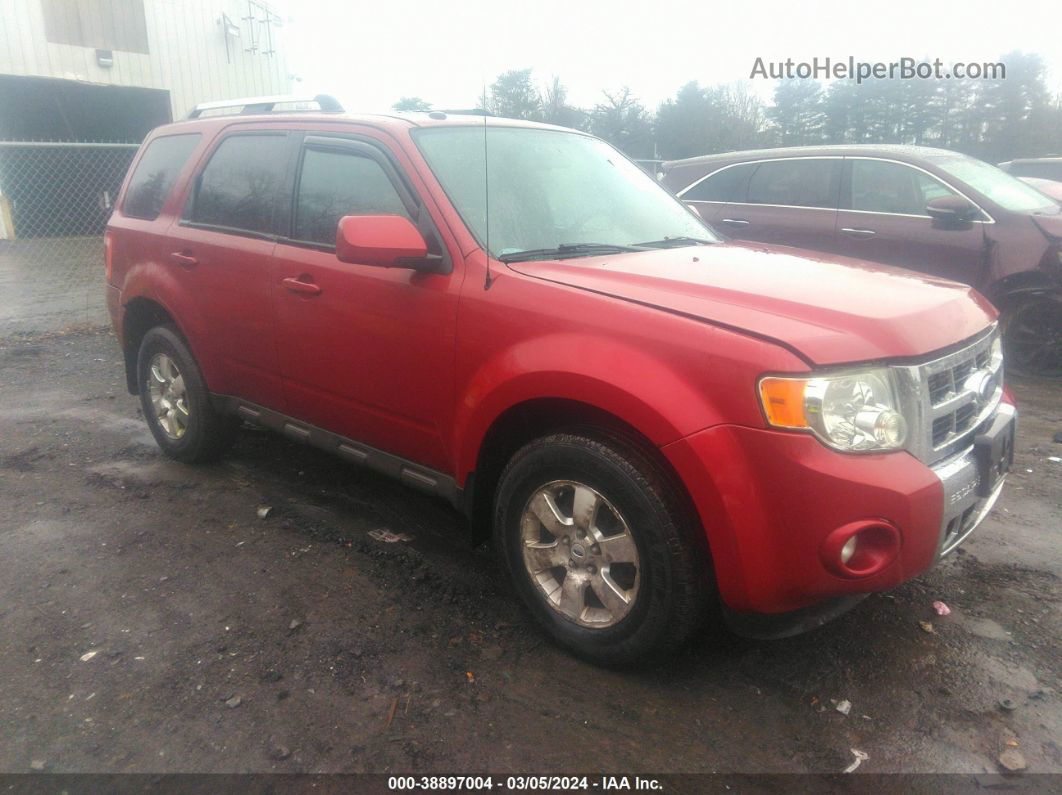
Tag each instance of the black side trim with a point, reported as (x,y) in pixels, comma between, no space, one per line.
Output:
(410,473)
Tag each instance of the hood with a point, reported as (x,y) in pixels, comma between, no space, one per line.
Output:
(832,310)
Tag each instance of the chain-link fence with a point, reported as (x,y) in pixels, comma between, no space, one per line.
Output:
(55,199)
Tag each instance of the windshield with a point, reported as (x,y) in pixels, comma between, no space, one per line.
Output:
(549,189)
(999,186)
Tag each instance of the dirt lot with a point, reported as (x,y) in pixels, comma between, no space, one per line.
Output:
(150,621)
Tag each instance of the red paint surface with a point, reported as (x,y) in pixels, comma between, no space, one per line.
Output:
(671,342)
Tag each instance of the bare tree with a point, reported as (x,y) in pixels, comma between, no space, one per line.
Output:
(624,122)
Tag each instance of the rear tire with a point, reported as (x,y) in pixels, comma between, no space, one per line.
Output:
(175,400)
(615,572)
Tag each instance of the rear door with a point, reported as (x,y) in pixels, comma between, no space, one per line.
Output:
(883,219)
(221,251)
(367,352)
(790,201)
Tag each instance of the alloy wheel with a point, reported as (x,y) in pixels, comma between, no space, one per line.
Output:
(168,396)
(580,554)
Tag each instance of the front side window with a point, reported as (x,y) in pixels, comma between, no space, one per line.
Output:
(238,189)
(335,183)
(879,186)
(542,189)
(156,173)
(727,185)
(802,182)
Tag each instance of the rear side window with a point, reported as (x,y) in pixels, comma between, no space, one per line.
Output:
(728,185)
(336,183)
(801,182)
(155,174)
(238,189)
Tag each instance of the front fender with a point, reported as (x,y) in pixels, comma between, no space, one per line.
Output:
(660,398)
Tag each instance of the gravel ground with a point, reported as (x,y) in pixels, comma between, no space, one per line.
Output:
(151,622)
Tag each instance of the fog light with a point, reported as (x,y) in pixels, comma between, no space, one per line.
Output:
(860,549)
(849,549)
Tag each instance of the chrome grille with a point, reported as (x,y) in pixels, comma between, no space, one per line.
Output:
(951,396)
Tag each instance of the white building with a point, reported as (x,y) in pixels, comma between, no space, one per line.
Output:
(113,69)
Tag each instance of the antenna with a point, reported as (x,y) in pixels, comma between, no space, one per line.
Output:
(489,280)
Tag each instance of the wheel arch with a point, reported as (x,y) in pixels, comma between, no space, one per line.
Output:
(139,316)
(535,417)
(1007,290)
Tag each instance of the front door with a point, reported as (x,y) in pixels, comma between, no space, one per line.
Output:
(883,219)
(366,352)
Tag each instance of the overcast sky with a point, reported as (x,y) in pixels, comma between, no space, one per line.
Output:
(371,53)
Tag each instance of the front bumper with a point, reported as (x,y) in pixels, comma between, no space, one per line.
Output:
(769,500)
(964,507)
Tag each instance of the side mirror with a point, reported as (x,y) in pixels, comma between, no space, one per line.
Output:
(951,210)
(389,241)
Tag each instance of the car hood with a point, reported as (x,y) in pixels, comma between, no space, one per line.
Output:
(831,310)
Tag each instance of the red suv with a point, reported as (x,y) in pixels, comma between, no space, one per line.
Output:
(654,423)
(930,210)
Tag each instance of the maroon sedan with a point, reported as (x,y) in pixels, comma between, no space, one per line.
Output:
(925,209)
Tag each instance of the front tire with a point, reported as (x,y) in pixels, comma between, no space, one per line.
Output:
(601,549)
(175,400)
(1032,336)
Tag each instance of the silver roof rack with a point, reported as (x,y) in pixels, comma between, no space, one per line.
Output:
(245,105)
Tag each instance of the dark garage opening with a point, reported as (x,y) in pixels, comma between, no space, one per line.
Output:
(47,109)
(67,190)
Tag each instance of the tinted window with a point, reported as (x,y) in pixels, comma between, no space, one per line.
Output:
(881,187)
(239,186)
(334,184)
(155,174)
(728,185)
(798,183)
(1045,170)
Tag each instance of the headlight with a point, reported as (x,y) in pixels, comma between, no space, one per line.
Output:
(852,412)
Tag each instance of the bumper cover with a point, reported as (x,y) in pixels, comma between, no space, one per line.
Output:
(965,504)
(769,499)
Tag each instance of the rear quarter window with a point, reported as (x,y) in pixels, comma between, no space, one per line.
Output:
(156,173)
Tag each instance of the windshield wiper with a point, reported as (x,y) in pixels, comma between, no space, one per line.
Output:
(675,242)
(568,250)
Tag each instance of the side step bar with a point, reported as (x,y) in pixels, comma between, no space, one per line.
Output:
(409,473)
